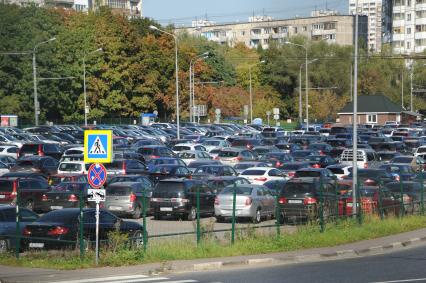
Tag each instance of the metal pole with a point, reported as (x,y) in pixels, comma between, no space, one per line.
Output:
(35,88)
(422,193)
(81,227)
(411,83)
(145,235)
(234,196)
(402,88)
(84,88)
(300,96)
(307,89)
(355,118)
(251,98)
(277,209)
(18,226)
(198,217)
(97,234)
(190,91)
(177,87)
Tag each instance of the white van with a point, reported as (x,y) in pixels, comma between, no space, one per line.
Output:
(73,167)
(366,158)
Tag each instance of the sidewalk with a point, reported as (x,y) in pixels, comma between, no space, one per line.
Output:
(364,248)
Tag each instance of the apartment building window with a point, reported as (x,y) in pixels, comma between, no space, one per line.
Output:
(295,29)
(408,45)
(305,28)
(79,7)
(117,4)
(408,2)
(408,17)
(421,42)
(328,26)
(284,29)
(256,31)
(243,33)
(397,16)
(397,2)
(420,1)
(408,30)
(222,33)
(420,28)
(266,41)
(397,30)
(267,30)
(421,14)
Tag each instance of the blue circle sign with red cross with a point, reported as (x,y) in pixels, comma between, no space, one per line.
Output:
(96,175)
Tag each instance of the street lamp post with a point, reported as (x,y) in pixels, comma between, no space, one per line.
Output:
(177,77)
(191,84)
(251,94)
(307,80)
(84,83)
(300,93)
(36,104)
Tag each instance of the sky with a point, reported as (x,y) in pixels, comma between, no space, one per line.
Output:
(182,12)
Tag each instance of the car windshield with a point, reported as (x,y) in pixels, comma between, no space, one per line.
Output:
(70,167)
(187,155)
(211,142)
(181,148)
(224,153)
(254,172)
(243,165)
(69,187)
(27,163)
(303,174)
(402,159)
(246,191)
(59,216)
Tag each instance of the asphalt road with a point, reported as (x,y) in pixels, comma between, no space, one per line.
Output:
(403,266)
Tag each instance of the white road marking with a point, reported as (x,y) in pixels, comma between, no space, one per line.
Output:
(403,280)
(137,280)
(102,279)
(179,281)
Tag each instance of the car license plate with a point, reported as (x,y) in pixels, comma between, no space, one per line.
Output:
(115,207)
(36,245)
(294,201)
(56,207)
(166,208)
(2,196)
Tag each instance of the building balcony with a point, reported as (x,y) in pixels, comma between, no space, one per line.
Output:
(420,35)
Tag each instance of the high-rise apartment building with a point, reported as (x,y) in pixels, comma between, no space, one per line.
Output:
(379,21)
(409,26)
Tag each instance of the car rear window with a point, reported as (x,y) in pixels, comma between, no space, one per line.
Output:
(337,170)
(29,148)
(224,153)
(298,188)
(116,165)
(181,147)
(59,216)
(70,167)
(169,190)
(69,187)
(146,151)
(303,174)
(119,190)
(292,166)
(253,172)
(239,190)
(26,163)
(214,143)
(6,186)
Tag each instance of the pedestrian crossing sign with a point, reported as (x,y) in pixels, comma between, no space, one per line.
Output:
(98,146)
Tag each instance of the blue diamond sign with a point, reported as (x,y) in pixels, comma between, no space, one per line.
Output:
(98,146)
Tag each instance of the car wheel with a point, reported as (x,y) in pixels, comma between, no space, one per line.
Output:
(137,239)
(220,219)
(29,204)
(137,213)
(157,216)
(257,217)
(192,214)
(4,245)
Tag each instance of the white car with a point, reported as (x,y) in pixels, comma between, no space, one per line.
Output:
(187,146)
(260,175)
(421,150)
(9,150)
(72,167)
(43,139)
(3,168)
(8,139)
(193,155)
(340,170)
(74,150)
(210,144)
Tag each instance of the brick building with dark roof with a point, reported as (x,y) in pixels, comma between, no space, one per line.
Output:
(376,109)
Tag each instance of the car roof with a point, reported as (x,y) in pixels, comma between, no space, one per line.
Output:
(261,168)
(125,184)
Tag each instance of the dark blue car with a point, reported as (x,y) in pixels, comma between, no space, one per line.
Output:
(8,225)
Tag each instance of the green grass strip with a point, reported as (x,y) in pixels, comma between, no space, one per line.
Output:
(248,242)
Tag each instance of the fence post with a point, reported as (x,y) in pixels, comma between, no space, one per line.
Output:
(321,205)
(234,196)
(336,185)
(277,209)
(198,217)
(380,200)
(145,236)
(401,189)
(81,226)
(18,225)
(422,192)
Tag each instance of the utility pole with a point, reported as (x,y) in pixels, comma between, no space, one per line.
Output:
(355,121)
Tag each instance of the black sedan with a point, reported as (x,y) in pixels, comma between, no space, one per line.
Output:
(58,229)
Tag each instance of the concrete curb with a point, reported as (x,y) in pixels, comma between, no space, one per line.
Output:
(292,259)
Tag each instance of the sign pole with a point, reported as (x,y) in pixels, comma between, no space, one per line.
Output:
(97,233)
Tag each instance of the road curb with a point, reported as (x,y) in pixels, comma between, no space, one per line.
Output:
(292,259)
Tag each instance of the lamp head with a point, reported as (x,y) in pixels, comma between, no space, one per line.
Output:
(153,27)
